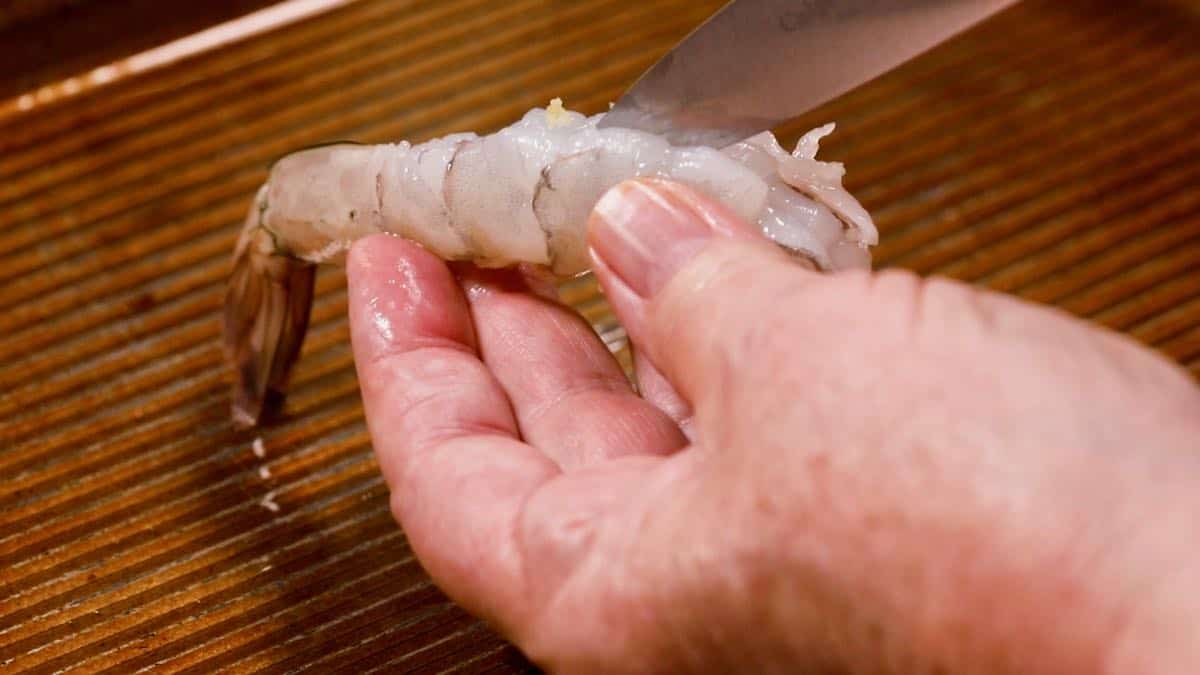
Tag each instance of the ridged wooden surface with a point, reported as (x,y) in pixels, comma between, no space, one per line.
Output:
(45,41)
(1053,153)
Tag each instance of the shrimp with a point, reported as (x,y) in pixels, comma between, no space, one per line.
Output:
(520,195)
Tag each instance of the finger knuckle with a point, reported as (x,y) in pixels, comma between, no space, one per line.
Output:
(907,307)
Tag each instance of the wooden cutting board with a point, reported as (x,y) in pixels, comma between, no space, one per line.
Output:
(1053,153)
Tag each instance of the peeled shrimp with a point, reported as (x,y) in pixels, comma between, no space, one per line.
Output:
(518,196)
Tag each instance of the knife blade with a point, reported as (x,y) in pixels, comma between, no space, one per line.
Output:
(756,64)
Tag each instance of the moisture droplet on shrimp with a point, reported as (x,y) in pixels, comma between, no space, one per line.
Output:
(521,195)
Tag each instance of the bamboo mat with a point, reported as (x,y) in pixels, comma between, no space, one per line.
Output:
(1052,153)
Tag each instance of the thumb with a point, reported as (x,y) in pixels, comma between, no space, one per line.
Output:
(734,324)
(691,281)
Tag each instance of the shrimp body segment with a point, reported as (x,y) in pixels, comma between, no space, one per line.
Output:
(520,195)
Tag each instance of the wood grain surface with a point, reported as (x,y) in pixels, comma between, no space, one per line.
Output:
(42,41)
(1051,153)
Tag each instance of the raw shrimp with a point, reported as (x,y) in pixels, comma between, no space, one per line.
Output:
(518,196)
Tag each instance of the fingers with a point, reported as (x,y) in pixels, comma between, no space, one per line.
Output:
(655,388)
(568,393)
(442,428)
(415,350)
(688,279)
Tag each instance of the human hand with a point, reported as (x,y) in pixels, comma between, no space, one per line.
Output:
(824,473)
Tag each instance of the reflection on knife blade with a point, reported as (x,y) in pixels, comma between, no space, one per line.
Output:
(759,63)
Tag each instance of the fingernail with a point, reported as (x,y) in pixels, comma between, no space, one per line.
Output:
(645,234)
(395,288)
(381,286)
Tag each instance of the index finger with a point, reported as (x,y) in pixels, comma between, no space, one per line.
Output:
(442,428)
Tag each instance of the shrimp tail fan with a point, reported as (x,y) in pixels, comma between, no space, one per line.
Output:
(267,307)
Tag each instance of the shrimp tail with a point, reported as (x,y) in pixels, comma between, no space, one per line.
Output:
(267,305)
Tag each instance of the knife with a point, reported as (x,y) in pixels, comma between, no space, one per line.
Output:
(756,64)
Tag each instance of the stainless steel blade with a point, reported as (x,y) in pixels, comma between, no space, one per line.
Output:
(759,63)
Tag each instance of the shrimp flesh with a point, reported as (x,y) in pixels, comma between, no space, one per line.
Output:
(520,195)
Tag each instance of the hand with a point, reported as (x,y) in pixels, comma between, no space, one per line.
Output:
(824,473)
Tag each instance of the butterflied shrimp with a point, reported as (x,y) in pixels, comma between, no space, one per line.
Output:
(518,196)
